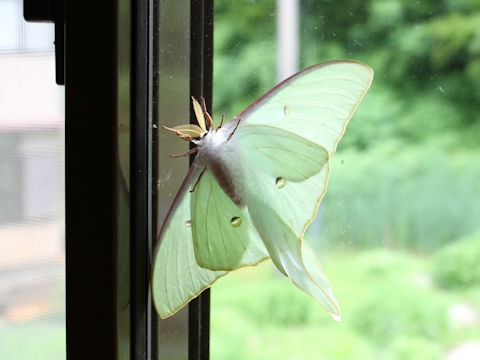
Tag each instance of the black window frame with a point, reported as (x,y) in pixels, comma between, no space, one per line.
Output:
(90,174)
(91,86)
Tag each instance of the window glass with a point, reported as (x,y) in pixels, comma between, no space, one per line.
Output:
(173,109)
(124,300)
(32,289)
(397,232)
(16,34)
(37,36)
(10,24)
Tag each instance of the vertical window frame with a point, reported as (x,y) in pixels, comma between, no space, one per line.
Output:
(90,179)
(92,170)
(201,85)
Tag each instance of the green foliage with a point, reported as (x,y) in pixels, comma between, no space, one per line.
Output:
(413,348)
(402,197)
(244,53)
(280,304)
(250,321)
(426,74)
(394,300)
(457,265)
(391,310)
(241,79)
(388,117)
(405,177)
(32,340)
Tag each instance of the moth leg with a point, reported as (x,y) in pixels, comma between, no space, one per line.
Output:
(198,180)
(221,122)
(207,115)
(236,126)
(191,151)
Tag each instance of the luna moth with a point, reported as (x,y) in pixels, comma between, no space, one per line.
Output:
(255,185)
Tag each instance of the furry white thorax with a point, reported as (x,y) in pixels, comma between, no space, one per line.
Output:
(221,157)
(212,139)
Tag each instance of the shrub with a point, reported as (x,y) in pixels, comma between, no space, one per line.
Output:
(418,197)
(393,312)
(278,303)
(457,265)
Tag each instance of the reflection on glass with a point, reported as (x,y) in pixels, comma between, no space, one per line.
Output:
(398,230)
(32,311)
(123,181)
(173,109)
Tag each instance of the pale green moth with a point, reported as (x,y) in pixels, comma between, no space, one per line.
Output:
(255,185)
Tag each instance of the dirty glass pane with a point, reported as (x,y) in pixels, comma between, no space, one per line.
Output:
(398,231)
(173,106)
(123,180)
(32,288)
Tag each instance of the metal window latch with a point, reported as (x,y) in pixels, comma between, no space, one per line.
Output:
(50,11)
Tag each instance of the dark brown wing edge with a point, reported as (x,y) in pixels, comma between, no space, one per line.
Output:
(192,172)
(232,123)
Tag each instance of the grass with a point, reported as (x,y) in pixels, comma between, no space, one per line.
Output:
(395,305)
(391,309)
(32,340)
